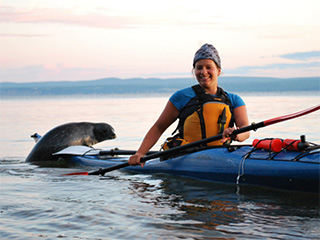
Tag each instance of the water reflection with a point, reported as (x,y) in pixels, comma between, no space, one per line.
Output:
(222,208)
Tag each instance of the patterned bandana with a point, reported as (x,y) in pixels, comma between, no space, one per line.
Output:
(207,51)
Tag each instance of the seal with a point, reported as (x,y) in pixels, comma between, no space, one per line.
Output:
(69,134)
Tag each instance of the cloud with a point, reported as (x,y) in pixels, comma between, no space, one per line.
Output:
(304,62)
(101,18)
(302,56)
(23,35)
(273,68)
(65,16)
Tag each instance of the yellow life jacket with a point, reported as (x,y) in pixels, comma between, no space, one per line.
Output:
(205,116)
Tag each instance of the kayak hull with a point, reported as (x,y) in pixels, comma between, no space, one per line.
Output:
(286,170)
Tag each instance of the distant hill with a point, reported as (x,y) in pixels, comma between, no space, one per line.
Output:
(155,85)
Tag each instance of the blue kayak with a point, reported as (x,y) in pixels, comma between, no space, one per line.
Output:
(289,170)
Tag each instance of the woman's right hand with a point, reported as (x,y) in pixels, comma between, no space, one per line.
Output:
(167,117)
(135,160)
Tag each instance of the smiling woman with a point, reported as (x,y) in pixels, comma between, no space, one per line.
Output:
(203,110)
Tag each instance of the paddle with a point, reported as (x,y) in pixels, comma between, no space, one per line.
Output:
(253,126)
(81,150)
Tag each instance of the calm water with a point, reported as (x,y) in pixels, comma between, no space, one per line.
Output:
(39,203)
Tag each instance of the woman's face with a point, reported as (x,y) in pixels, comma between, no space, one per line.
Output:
(207,73)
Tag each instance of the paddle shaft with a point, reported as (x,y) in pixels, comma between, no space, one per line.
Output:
(179,148)
(121,152)
(253,126)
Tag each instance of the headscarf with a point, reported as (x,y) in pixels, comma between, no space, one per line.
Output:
(207,51)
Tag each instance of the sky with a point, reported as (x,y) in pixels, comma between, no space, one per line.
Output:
(59,40)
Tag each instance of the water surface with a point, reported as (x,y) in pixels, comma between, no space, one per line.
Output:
(39,203)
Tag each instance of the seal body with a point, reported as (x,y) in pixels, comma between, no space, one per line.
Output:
(69,134)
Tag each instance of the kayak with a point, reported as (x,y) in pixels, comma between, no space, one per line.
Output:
(285,164)
(239,164)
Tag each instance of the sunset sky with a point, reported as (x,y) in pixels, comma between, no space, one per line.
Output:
(55,40)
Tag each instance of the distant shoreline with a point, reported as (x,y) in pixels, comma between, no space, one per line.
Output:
(153,95)
(152,86)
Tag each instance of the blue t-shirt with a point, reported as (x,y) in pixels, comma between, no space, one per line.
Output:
(180,98)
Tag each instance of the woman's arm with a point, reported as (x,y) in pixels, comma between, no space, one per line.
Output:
(241,120)
(167,117)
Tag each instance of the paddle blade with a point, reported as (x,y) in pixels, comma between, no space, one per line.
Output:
(291,116)
(76,173)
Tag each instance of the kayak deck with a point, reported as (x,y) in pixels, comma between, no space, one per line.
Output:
(284,170)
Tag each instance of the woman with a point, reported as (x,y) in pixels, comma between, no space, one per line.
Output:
(183,105)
